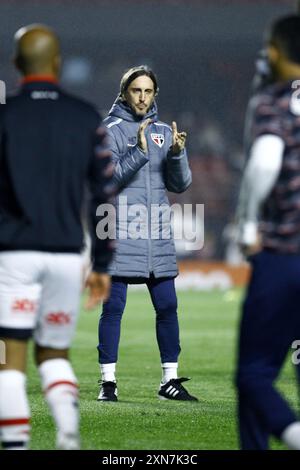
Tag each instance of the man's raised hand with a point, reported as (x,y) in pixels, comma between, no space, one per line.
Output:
(178,139)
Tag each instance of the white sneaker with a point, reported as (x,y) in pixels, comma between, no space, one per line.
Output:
(68,442)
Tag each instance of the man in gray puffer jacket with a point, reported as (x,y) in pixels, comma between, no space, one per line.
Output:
(150,158)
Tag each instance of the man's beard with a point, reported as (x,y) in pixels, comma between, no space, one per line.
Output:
(141,113)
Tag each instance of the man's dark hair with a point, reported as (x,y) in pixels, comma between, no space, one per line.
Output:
(135,72)
(285,34)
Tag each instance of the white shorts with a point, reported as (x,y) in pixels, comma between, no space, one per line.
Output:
(40,295)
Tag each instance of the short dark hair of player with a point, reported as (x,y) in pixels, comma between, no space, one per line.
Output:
(135,72)
(285,35)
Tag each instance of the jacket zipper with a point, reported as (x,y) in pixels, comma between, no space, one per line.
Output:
(148,184)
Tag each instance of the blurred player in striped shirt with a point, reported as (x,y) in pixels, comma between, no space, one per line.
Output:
(269,232)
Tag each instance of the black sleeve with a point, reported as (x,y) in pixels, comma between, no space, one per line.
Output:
(102,191)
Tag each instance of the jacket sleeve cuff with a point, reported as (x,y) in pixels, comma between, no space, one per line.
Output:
(174,157)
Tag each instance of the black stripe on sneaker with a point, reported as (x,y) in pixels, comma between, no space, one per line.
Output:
(8,445)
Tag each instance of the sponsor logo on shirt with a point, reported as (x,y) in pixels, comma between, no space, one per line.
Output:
(24,306)
(58,318)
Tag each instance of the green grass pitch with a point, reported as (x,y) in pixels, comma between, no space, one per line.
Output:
(139,420)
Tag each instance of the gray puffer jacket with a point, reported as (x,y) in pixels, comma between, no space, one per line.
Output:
(144,179)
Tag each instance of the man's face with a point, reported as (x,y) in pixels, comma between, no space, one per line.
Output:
(140,95)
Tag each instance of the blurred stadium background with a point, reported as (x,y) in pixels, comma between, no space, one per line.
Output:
(203,53)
